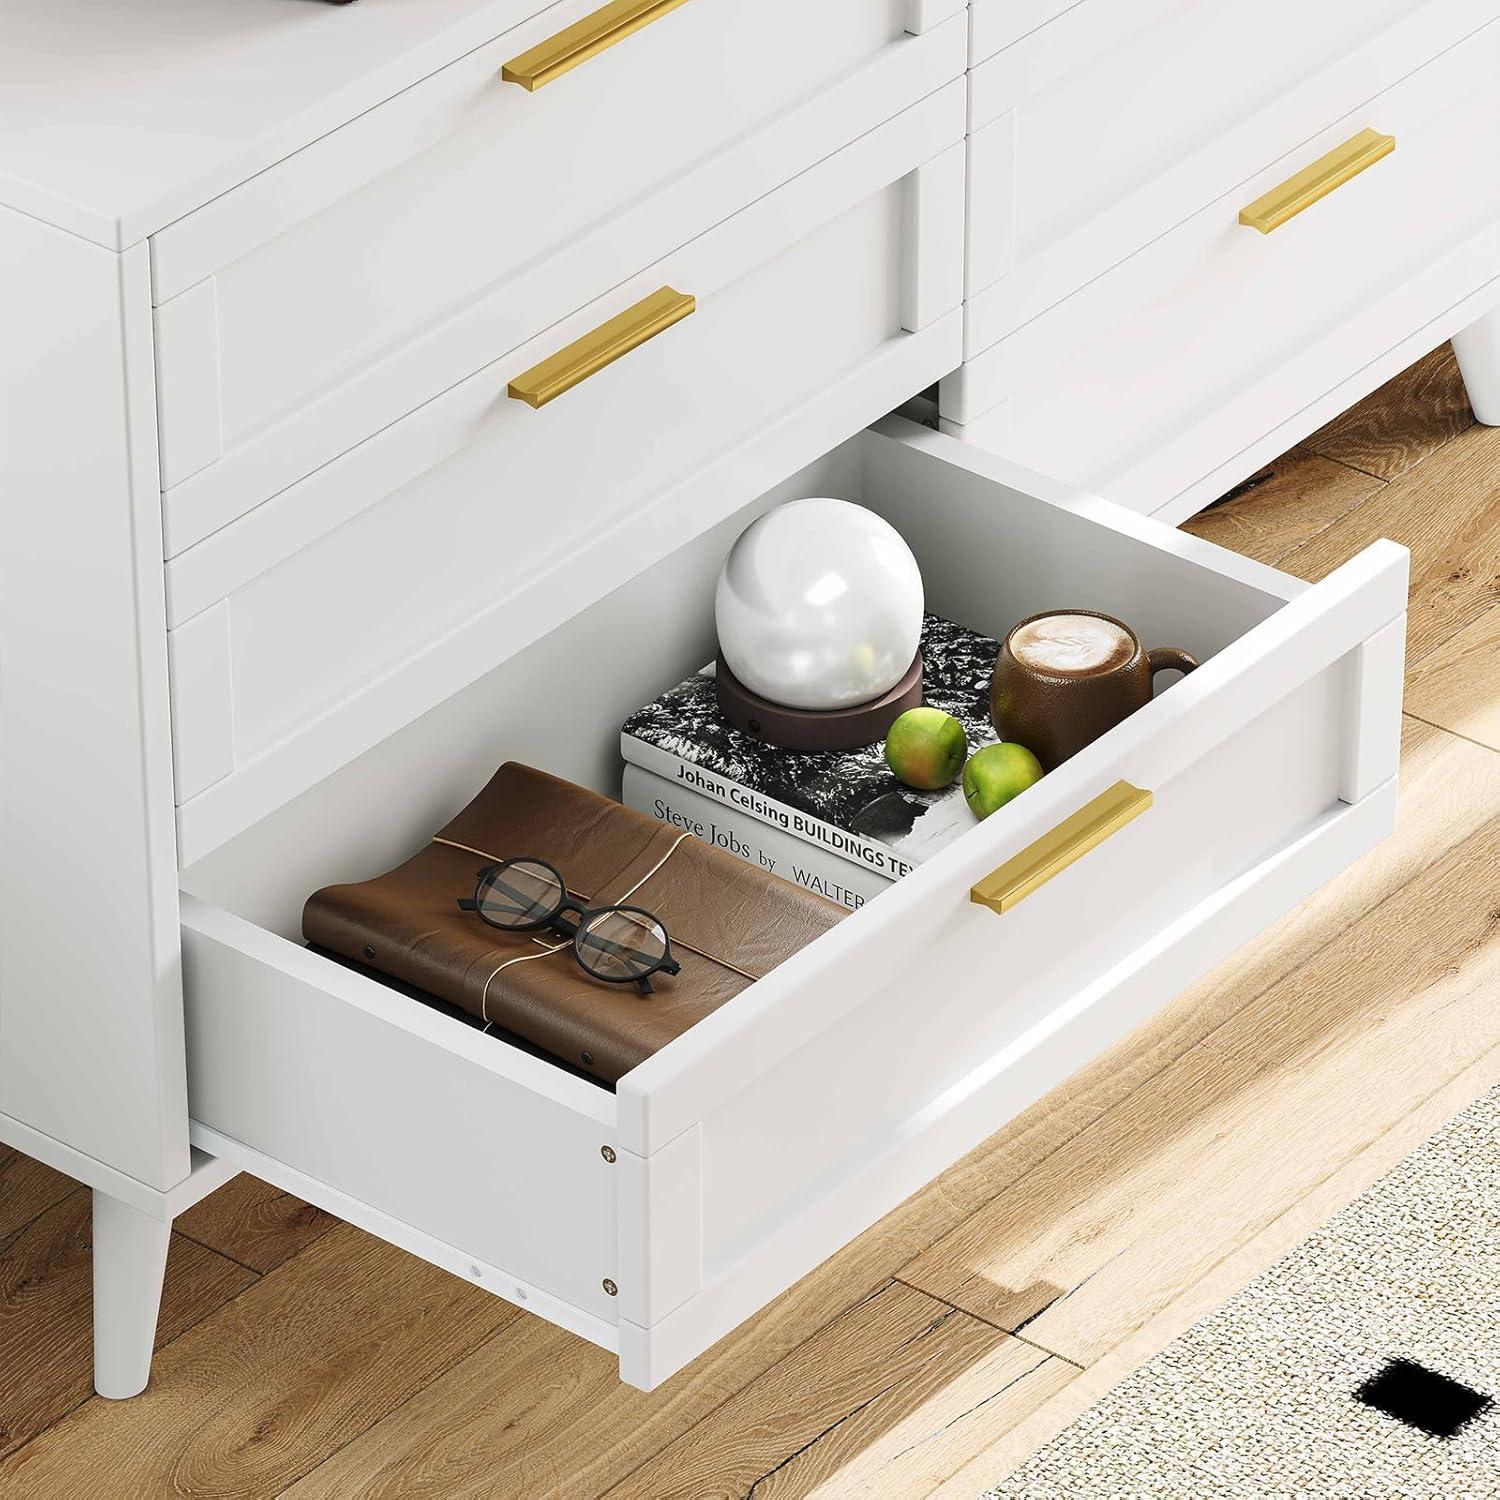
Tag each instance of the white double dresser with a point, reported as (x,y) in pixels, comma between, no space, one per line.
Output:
(380,388)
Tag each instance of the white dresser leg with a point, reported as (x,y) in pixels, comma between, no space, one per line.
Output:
(1478,350)
(130,1262)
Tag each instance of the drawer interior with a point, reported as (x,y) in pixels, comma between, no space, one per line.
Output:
(658,627)
(771,1133)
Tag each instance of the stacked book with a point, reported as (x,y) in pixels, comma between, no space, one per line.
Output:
(835,821)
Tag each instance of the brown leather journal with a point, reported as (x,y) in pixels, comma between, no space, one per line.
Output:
(729,923)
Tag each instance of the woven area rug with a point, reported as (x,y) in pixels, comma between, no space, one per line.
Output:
(1364,1364)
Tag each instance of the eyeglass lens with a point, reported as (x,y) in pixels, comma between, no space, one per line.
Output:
(621,944)
(520,894)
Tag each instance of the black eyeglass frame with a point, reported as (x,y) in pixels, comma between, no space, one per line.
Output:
(568,918)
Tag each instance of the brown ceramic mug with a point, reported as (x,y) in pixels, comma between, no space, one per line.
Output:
(1066,676)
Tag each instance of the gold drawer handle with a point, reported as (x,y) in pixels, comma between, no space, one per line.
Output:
(1302,190)
(1036,864)
(582,40)
(557,375)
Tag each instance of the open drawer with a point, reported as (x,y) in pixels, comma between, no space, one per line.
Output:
(654,1219)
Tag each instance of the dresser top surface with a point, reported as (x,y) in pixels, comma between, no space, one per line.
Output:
(119,116)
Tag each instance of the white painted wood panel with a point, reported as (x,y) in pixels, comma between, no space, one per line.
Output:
(1477,349)
(415,562)
(189,405)
(661,1228)
(226,1152)
(202,675)
(98,146)
(994,24)
(1366,377)
(90,1009)
(424,240)
(999,1087)
(474,1143)
(923,15)
(1107,127)
(1159,372)
(776,1130)
(1375,682)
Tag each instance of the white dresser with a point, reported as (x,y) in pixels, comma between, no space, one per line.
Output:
(1127,331)
(369,372)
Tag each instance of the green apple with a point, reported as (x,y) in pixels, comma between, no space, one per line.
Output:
(926,748)
(996,774)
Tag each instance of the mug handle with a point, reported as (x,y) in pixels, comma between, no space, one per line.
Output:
(1171,659)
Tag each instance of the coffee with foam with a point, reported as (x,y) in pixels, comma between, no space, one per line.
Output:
(1066,645)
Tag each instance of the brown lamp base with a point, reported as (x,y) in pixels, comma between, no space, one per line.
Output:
(816,729)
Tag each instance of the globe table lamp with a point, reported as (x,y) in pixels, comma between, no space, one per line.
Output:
(819,614)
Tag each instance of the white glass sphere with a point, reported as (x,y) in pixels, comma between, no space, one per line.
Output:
(819,605)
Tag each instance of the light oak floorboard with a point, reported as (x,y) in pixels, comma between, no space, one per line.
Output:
(909,1439)
(254,1223)
(27,1188)
(1458,685)
(1114,1225)
(46,1313)
(256,1394)
(538,1412)
(533,1412)
(1223,1280)
(890,1398)
(1448,512)
(1405,421)
(1283,505)
(899,1379)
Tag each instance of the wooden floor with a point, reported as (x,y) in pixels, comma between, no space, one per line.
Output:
(298,1355)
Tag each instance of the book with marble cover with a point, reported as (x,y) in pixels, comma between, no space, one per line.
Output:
(846,801)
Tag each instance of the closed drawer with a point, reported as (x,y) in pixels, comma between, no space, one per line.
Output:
(1159,371)
(326,618)
(340,289)
(772,1133)
(1102,129)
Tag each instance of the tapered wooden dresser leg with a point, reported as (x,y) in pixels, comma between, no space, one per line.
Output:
(130,1262)
(1478,350)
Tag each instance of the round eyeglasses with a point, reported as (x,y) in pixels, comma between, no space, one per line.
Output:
(618,944)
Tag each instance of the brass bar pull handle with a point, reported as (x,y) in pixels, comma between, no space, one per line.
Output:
(576,44)
(558,374)
(1304,188)
(1079,832)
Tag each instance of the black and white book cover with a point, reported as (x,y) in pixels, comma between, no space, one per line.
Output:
(852,791)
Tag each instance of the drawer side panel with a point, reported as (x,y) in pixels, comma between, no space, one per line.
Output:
(420,1117)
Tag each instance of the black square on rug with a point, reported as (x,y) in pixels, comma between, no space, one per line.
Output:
(1422,1398)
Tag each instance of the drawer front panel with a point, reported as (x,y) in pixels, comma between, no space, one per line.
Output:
(775,1131)
(517,208)
(870,1061)
(1158,372)
(1100,131)
(424,556)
